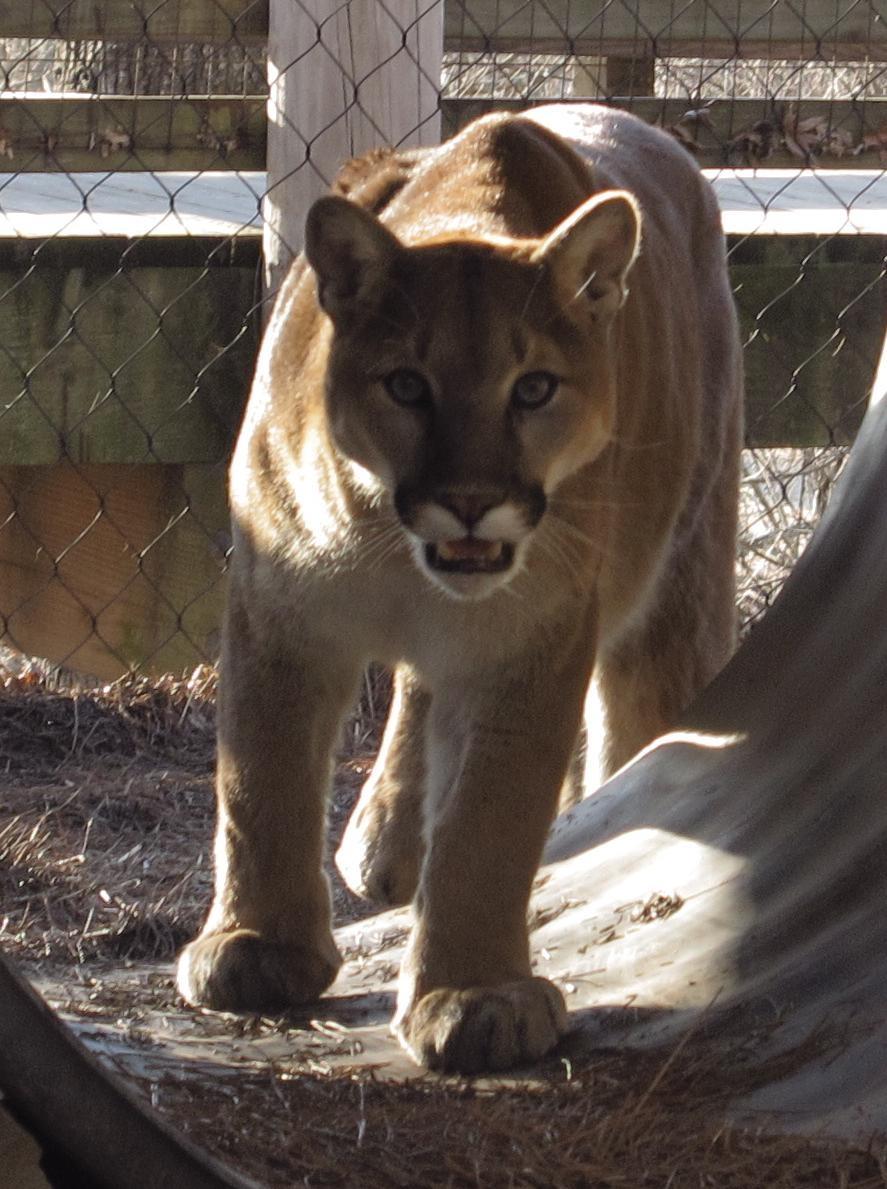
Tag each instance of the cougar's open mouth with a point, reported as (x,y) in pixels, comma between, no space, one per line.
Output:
(470,555)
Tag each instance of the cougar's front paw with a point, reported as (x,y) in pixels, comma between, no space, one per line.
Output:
(242,971)
(380,853)
(484,1028)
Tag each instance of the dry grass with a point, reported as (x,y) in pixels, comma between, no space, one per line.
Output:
(783,495)
(106,814)
(105,823)
(615,1125)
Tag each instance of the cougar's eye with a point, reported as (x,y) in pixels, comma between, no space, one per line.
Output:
(534,390)
(407,387)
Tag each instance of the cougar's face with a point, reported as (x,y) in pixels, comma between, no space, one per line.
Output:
(470,408)
(471,377)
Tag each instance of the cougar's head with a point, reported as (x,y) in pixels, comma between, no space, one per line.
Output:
(471,375)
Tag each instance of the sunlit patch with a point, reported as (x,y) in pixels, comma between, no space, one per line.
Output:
(321,505)
(708,740)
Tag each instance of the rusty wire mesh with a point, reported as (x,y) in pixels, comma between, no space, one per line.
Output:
(132,173)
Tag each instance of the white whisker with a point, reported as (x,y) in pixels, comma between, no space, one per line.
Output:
(563,526)
(551,548)
(379,545)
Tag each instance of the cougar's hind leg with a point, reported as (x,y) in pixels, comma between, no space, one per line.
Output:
(648,680)
(381,850)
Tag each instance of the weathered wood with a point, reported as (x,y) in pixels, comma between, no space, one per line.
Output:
(155,364)
(659,28)
(734,131)
(208,21)
(342,79)
(106,365)
(633,75)
(589,78)
(112,568)
(812,323)
(215,206)
(46,132)
(54,1083)
(220,208)
(132,133)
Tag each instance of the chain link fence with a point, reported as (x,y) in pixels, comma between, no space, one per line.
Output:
(146,150)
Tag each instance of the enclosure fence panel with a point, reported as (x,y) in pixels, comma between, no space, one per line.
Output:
(156,164)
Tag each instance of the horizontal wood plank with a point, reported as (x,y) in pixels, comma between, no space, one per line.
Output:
(166,133)
(108,568)
(153,365)
(226,207)
(660,28)
(217,205)
(656,28)
(206,21)
(812,337)
(123,364)
(47,132)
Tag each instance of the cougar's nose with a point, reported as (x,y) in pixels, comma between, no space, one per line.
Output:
(469,507)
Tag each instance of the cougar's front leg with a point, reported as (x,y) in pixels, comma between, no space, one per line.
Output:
(382,847)
(497,757)
(267,943)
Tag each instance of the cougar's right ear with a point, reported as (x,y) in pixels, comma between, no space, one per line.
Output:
(349,250)
(593,250)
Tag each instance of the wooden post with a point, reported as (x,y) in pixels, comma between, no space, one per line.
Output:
(631,76)
(589,76)
(342,79)
(595,78)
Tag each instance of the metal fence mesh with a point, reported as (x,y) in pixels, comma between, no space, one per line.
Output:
(132,176)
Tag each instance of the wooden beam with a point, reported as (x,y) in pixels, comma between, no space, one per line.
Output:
(109,361)
(206,21)
(630,76)
(153,364)
(754,28)
(659,28)
(812,313)
(699,28)
(739,132)
(110,568)
(46,132)
(343,79)
(747,49)
(126,132)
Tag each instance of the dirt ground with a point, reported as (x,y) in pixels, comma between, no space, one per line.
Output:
(106,813)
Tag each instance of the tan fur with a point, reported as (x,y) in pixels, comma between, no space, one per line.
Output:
(511,250)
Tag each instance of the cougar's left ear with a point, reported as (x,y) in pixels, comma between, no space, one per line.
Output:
(591,252)
(349,249)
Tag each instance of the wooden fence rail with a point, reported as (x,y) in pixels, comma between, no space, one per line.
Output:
(125,132)
(643,28)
